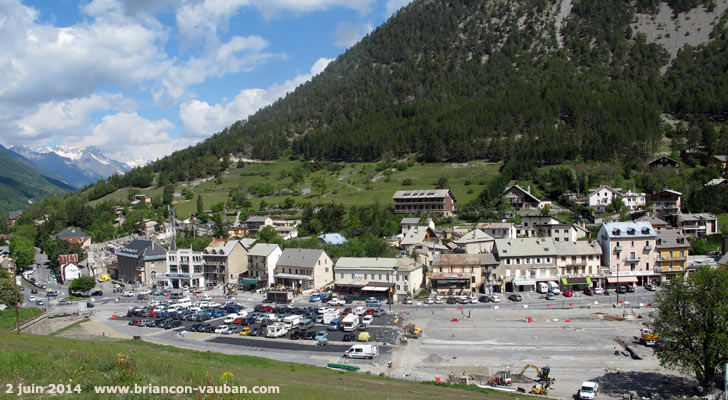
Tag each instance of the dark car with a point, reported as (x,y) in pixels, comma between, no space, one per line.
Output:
(347,338)
(515,297)
(172,324)
(451,300)
(97,293)
(295,335)
(310,335)
(630,288)
(589,291)
(484,299)
(622,289)
(90,305)
(194,327)
(34,291)
(255,332)
(142,297)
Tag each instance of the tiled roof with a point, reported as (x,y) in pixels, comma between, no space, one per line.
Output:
(306,258)
(421,194)
(636,229)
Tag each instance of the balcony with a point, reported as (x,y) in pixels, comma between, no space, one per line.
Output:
(618,249)
(632,259)
(648,248)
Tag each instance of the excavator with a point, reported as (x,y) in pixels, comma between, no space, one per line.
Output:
(543,379)
(412,331)
(647,337)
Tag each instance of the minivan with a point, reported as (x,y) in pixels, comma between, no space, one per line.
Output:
(335,324)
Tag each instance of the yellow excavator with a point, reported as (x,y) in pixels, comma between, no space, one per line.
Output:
(543,378)
(412,331)
(648,338)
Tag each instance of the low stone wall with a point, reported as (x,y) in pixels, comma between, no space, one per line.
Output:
(45,324)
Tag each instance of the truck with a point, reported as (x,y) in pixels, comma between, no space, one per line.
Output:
(588,390)
(553,287)
(362,351)
(276,329)
(543,287)
(350,323)
(330,316)
(280,296)
(292,321)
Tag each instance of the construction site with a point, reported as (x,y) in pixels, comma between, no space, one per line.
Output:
(547,352)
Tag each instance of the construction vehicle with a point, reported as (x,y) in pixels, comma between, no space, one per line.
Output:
(647,337)
(412,331)
(543,379)
(501,378)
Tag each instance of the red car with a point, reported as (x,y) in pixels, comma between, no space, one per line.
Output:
(346,311)
(568,293)
(369,311)
(238,321)
(266,309)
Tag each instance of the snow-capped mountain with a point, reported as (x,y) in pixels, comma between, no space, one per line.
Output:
(76,165)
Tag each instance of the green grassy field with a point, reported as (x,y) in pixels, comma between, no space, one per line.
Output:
(7,316)
(43,360)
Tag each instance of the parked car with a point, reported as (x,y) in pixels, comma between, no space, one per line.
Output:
(32,298)
(622,289)
(34,291)
(367,319)
(598,290)
(429,300)
(379,312)
(348,338)
(369,311)
(630,288)
(336,302)
(89,304)
(495,298)
(230,318)
(244,331)
(142,296)
(310,335)
(515,297)
(97,293)
(408,300)
(295,335)
(362,326)
(484,299)
(550,296)
(568,293)
(39,302)
(64,302)
(588,390)
(322,337)
(650,287)
(255,332)
(589,291)
(451,300)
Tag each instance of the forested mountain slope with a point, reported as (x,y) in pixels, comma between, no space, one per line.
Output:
(532,81)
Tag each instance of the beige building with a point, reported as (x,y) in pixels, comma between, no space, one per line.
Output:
(225,260)
(578,262)
(499,230)
(628,250)
(523,262)
(463,272)
(141,262)
(262,261)
(304,269)
(362,277)
(673,250)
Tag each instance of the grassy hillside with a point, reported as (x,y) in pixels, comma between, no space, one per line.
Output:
(43,360)
(346,183)
(19,183)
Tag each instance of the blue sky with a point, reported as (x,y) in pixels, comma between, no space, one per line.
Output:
(142,78)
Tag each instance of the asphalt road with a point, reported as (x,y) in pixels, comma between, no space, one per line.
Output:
(288,345)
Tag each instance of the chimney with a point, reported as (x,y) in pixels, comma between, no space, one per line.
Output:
(528,188)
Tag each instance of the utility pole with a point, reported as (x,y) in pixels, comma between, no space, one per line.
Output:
(15,289)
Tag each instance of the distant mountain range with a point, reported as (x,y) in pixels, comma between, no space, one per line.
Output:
(78,166)
(21,183)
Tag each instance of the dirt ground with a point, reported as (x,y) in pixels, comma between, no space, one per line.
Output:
(577,344)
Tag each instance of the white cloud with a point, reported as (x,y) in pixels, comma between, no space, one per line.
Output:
(347,34)
(240,54)
(200,119)
(68,116)
(126,136)
(393,6)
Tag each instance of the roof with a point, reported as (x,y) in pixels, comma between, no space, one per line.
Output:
(716,181)
(455,259)
(414,235)
(654,221)
(14,214)
(671,238)
(495,225)
(71,232)
(523,247)
(665,158)
(248,242)
(578,248)
(723,158)
(145,248)
(422,194)
(221,246)
(332,238)
(476,236)
(636,229)
(262,249)
(409,221)
(406,264)
(524,191)
(488,259)
(257,218)
(611,189)
(694,217)
(306,258)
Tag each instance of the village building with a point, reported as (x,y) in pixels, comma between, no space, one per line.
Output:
(696,225)
(362,277)
(475,242)
(440,201)
(665,203)
(673,250)
(457,273)
(523,262)
(141,262)
(303,269)
(262,261)
(185,268)
(520,198)
(499,230)
(225,260)
(628,251)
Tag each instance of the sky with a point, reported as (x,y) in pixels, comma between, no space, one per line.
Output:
(140,79)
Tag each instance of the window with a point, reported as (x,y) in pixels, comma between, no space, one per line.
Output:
(198,269)
(405,278)
(365,276)
(563,258)
(682,253)
(548,260)
(508,262)
(342,276)
(327,269)
(173,269)
(633,243)
(632,267)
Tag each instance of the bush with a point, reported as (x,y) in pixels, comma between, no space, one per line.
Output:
(407,182)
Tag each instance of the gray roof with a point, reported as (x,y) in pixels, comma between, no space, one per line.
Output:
(415,235)
(524,191)
(671,238)
(723,158)
(525,247)
(716,181)
(578,248)
(406,264)
(488,259)
(262,249)
(14,214)
(248,242)
(654,221)
(637,229)
(71,233)
(455,259)
(476,236)
(421,194)
(694,217)
(306,258)
(146,248)
(257,218)
(409,221)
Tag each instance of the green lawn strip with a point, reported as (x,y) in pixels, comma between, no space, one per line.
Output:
(7,316)
(71,326)
(42,360)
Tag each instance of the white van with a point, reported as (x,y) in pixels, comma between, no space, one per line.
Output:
(350,322)
(362,351)
(292,321)
(554,287)
(359,310)
(543,287)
